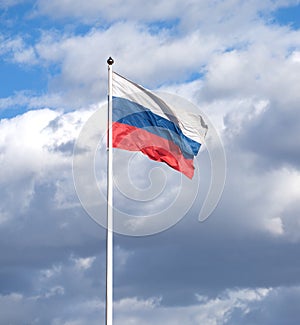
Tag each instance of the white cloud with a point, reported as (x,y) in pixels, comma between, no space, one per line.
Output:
(110,10)
(121,257)
(204,13)
(274,225)
(262,197)
(84,263)
(131,305)
(232,307)
(55,291)
(259,71)
(261,65)
(16,50)
(22,140)
(207,311)
(31,101)
(137,53)
(136,311)
(295,57)
(5,4)
(34,148)
(49,273)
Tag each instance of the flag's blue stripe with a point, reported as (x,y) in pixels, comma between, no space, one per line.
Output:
(134,114)
(144,120)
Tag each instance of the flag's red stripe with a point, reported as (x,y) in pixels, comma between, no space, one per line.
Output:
(156,148)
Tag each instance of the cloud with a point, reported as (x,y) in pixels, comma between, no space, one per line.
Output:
(5,4)
(108,11)
(233,306)
(93,48)
(257,70)
(273,125)
(77,58)
(164,56)
(279,304)
(17,50)
(207,311)
(43,305)
(239,267)
(229,13)
(84,263)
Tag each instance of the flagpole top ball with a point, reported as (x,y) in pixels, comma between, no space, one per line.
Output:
(110,61)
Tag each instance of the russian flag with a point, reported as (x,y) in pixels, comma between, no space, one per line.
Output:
(144,122)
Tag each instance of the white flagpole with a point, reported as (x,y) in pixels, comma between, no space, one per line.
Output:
(109,236)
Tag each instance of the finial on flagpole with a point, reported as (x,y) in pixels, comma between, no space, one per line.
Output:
(110,61)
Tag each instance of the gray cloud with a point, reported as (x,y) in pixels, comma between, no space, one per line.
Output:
(274,309)
(241,265)
(273,136)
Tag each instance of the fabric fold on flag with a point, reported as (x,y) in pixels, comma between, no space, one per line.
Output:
(144,122)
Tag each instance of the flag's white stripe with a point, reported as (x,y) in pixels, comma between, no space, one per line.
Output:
(191,125)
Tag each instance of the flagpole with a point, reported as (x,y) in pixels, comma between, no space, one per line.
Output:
(109,231)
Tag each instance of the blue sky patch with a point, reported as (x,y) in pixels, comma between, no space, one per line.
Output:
(288,16)
(15,78)
(157,26)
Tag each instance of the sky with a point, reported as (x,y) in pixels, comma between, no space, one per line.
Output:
(239,63)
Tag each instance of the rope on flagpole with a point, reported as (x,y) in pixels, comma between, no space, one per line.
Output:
(109,234)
